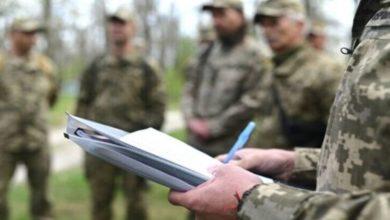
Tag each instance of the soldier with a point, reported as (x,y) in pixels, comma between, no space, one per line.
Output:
(123,90)
(353,167)
(28,87)
(221,94)
(304,81)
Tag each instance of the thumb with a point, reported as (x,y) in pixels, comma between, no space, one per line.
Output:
(176,198)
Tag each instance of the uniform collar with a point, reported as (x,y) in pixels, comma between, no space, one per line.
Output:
(128,58)
(29,61)
(279,59)
(286,64)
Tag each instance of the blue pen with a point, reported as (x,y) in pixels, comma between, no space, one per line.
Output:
(241,141)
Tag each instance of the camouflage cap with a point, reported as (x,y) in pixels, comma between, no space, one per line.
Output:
(26,25)
(122,14)
(278,8)
(235,4)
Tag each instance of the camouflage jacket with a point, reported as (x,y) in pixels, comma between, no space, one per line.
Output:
(28,87)
(223,89)
(127,94)
(354,169)
(304,86)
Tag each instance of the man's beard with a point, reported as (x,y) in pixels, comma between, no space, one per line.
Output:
(232,39)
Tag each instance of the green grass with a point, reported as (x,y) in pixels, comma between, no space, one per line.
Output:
(174,84)
(70,195)
(65,103)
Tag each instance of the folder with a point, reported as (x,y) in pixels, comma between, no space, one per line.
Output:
(148,153)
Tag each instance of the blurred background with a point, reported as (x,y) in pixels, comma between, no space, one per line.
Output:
(168,33)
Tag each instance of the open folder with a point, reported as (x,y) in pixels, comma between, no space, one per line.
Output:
(148,153)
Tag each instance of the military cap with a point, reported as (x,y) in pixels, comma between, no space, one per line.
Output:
(278,8)
(234,4)
(122,14)
(26,25)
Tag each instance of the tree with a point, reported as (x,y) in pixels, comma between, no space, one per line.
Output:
(47,20)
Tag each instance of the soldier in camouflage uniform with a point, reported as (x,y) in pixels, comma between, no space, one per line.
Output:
(121,89)
(304,80)
(353,166)
(221,94)
(28,87)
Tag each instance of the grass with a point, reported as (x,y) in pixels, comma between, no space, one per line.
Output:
(70,196)
(65,103)
(174,81)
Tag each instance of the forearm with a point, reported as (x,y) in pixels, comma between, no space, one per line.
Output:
(277,201)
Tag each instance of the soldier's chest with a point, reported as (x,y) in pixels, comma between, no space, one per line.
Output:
(120,80)
(23,79)
(226,70)
(297,87)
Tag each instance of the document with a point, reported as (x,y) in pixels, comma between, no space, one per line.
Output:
(148,153)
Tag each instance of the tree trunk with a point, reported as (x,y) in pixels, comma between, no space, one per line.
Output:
(47,18)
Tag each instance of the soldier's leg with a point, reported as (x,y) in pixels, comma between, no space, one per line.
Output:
(7,169)
(38,168)
(101,177)
(134,188)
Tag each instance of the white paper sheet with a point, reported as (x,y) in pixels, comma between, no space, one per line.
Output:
(171,149)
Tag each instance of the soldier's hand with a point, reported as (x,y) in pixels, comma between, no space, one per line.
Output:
(219,197)
(274,163)
(200,128)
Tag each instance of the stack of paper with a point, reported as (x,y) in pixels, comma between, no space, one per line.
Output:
(148,153)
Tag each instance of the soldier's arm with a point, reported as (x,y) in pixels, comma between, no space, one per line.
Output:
(187,103)
(276,201)
(245,108)
(51,72)
(87,90)
(55,88)
(305,167)
(155,102)
(326,88)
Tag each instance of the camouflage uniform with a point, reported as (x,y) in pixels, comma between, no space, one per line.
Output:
(223,87)
(303,88)
(28,87)
(354,169)
(302,91)
(126,94)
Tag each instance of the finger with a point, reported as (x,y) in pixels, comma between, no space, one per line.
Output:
(221,157)
(239,163)
(177,198)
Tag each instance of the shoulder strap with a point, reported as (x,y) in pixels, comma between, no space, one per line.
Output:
(203,57)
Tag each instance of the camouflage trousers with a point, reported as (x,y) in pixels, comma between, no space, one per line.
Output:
(38,166)
(103,179)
